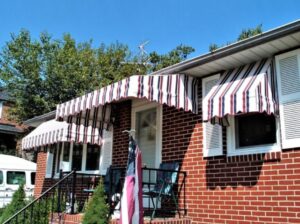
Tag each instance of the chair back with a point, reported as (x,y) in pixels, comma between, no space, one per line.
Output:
(112,179)
(166,179)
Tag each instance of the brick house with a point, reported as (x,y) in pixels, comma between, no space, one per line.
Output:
(10,130)
(232,125)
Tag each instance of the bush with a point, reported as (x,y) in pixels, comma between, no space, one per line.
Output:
(97,209)
(17,203)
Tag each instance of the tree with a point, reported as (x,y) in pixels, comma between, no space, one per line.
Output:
(176,55)
(245,34)
(17,203)
(97,210)
(41,73)
(250,32)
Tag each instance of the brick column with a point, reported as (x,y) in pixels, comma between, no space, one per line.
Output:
(40,173)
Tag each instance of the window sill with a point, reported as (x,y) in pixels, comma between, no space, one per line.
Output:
(254,150)
(91,172)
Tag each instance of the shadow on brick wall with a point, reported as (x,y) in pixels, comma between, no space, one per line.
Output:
(236,171)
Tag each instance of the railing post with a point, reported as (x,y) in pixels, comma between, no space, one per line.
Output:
(59,192)
(73,192)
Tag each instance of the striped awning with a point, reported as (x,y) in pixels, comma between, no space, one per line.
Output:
(177,90)
(249,88)
(52,131)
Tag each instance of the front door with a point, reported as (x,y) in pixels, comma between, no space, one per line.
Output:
(146,121)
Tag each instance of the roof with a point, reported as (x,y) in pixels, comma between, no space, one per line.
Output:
(261,46)
(4,95)
(16,163)
(10,129)
(36,121)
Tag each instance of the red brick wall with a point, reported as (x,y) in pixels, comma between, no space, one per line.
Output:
(40,173)
(122,113)
(242,189)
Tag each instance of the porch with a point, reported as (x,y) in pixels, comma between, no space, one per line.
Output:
(66,200)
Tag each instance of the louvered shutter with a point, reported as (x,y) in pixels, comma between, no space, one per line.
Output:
(288,80)
(212,134)
(106,151)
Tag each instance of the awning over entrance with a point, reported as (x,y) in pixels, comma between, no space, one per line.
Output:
(249,88)
(179,91)
(52,131)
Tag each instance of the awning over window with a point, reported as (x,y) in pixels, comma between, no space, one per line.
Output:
(249,88)
(179,91)
(52,131)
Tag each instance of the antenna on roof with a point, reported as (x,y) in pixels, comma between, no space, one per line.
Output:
(143,54)
(141,47)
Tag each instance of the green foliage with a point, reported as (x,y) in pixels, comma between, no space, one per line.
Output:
(1,212)
(213,47)
(250,32)
(97,210)
(42,73)
(17,203)
(246,33)
(176,55)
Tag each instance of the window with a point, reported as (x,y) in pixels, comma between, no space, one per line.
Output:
(77,156)
(252,133)
(58,157)
(86,158)
(66,154)
(1,109)
(50,155)
(92,157)
(1,177)
(255,129)
(15,177)
(32,178)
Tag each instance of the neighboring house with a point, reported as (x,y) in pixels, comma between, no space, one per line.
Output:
(231,121)
(9,130)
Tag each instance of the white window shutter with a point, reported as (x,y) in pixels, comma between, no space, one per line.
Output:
(288,80)
(49,164)
(106,151)
(212,134)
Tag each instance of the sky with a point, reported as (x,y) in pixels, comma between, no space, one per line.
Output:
(164,23)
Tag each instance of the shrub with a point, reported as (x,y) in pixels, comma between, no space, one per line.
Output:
(97,210)
(17,203)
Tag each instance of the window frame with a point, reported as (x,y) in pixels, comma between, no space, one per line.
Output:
(233,150)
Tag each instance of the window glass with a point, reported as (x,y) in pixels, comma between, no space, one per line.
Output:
(1,177)
(59,151)
(32,178)
(66,154)
(15,177)
(77,157)
(92,157)
(255,129)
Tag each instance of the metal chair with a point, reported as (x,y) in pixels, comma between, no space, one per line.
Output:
(166,178)
(112,186)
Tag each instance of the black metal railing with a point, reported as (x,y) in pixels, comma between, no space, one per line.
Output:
(166,206)
(56,199)
(72,190)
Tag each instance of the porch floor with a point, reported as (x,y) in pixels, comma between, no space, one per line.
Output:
(76,219)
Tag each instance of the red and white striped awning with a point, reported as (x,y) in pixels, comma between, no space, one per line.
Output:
(177,90)
(52,131)
(249,88)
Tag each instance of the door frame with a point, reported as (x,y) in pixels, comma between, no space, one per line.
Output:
(141,105)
